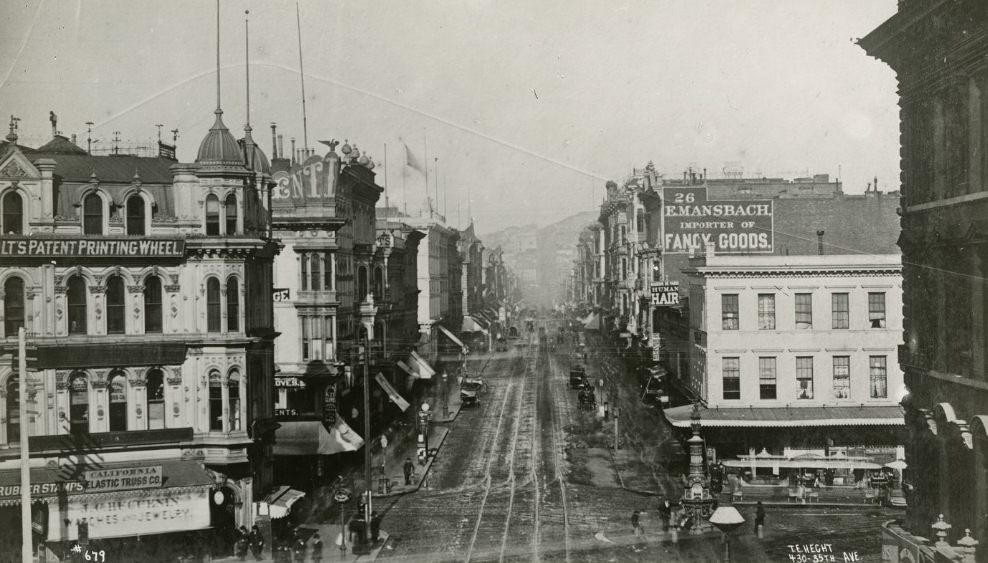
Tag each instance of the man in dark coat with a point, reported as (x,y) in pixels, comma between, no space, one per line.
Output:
(256,540)
(409,469)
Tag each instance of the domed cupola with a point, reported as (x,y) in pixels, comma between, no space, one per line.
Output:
(253,155)
(219,148)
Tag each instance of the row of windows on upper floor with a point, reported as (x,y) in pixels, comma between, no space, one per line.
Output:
(840,313)
(841,382)
(225,405)
(218,220)
(14,305)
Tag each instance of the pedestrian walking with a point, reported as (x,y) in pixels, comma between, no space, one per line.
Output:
(256,540)
(408,468)
(375,526)
(316,548)
(242,544)
(760,520)
(665,513)
(298,546)
(636,525)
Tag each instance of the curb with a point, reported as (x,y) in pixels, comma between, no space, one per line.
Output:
(643,492)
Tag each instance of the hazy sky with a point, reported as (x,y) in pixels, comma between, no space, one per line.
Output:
(529,105)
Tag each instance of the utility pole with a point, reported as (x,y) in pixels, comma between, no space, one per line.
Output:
(617,415)
(27,553)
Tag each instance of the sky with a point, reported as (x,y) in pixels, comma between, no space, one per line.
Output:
(525,108)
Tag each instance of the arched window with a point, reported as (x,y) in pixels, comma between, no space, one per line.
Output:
(213,305)
(76,296)
(116,308)
(215,401)
(232,305)
(378,283)
(231,214)
(135,215)
(233,391)
(13,305)
(13,214)
(212,215)
(92,215)
(13,410)
(78,403)
(118,401)
(362,283)
(155,399)
(152,304)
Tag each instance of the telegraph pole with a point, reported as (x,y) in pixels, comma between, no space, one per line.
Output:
(27,553)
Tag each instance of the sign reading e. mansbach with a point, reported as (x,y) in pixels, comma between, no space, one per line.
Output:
(691,222)
(48,247)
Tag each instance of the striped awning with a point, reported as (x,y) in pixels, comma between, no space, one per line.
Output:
(782,417)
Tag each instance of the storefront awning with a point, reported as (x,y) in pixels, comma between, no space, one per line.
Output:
(455,340)
(472,324)
(782,417)
(304,437)
(592,322)
(425,371)
(810,463)
(280,502)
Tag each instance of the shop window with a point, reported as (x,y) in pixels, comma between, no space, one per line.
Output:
(213,307)
(878,376)
(840,311)
(804,377)
(92,215)
(729,311)
(732,378)
(230,213)
(13,410)
(876,310)
(804,310)
(118,401)
(842,377)
(13,305)
(766,311)
(152,305)
(766,378)
(215,402)
(155,399)
(304,258)
(78,403)
(13,214)
(233,390)
(116,308)
(212,215)
(76,297)
(232,305)
(136,214)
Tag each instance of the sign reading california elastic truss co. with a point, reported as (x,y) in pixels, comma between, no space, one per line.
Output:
(12,246)
(691,222)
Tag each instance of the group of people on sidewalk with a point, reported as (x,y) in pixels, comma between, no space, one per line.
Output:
(673,520)
(290,549)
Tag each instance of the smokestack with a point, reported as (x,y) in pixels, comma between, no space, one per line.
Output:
(274,140)
(293,150)
(819,242)
(281,145)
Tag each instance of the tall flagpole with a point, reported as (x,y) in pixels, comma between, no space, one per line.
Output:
(386,179)
(425,142)
(436,182)
(301,71)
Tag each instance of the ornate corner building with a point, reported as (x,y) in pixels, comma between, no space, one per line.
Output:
(938,51)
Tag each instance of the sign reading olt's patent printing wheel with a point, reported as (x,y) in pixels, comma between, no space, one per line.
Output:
(691,221)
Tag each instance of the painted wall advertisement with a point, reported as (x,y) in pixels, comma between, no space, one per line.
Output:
(167,510)
(691,222)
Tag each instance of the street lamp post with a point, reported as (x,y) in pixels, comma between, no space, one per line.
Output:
(445,395)
(367,313)
(726,518)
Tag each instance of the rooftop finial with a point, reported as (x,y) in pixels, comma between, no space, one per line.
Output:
(218,109)
(12,136)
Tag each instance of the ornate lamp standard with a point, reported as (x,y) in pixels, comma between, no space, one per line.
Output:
(726,518)
(367,313)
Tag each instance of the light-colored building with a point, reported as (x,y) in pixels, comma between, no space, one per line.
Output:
(795,341)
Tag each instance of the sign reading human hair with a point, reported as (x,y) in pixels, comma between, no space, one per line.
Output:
(691,222)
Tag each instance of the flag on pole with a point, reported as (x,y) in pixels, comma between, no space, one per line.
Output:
(412,161)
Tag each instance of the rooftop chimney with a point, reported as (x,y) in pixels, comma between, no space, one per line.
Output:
(281,145)
(819,242)
(274,140)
